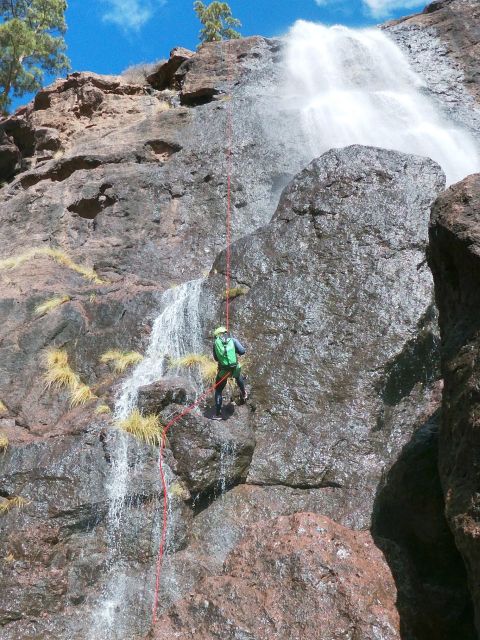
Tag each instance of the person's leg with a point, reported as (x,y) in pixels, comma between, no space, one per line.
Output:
(240,380)
(219,392)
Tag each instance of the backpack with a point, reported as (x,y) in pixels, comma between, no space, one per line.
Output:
(225,352)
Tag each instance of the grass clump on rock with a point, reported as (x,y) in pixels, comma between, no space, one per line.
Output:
(59,374)
(3,442)
(121,360)
(81,394)
(145,428)
(17,502)
(138,73)
(57,255)
(102,409)
(207,366)
(50,304)
(3,407)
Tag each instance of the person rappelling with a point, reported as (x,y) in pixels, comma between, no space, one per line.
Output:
(226,350)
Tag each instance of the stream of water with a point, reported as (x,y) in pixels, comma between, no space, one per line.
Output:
(175,333)
(357,87)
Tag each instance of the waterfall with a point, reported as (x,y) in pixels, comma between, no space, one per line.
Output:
(356,87)
(176,332)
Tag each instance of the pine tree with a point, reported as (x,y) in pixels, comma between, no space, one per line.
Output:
(31,43)
(217,21)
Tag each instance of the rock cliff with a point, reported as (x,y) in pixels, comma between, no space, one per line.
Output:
(454,261)
(114,193)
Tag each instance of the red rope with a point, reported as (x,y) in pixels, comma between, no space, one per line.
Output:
(229,157)
(161,549)
(229,188)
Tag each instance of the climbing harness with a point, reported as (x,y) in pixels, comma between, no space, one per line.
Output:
(229,160)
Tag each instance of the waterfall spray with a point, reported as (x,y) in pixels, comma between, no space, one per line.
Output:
(356,87)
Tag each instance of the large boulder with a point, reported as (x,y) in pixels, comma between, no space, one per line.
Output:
(339,322)
(301,576)
(211,455)
(455,262)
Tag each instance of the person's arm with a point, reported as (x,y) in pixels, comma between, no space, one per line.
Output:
(214,353)
(239,348)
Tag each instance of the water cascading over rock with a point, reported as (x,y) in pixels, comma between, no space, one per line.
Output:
(357,87)
(336,313)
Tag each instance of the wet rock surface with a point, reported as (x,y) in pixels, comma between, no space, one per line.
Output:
(142,209)
(338,317)
(454,259)
(283,575)
(155,397)
(442,44)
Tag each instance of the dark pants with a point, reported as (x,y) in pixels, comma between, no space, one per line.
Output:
(237,375)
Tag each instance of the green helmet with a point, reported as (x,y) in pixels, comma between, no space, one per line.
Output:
(219,331)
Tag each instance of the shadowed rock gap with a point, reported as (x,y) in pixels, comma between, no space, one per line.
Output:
(410,527)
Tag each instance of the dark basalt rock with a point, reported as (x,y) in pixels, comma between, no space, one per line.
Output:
(339,298)
(9,157)
(164,76)
(410,527)
(155,397)
(454,257)
(210,453)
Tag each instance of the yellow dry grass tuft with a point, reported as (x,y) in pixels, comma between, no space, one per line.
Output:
(145,428)
(102,409)
(3,442)
(81,394)
(190,360)
(208,371)
(50,305)
(235,292)
(3,407)
(121,360)
(17,502)
(59,374)
(207,366)
(59,256)
(9,559)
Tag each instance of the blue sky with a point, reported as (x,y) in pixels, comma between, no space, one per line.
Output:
(106,36)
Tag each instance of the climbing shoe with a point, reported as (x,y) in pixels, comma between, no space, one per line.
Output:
(217,416)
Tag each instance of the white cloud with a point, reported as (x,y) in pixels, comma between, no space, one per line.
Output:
(131,15)
(381,8)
